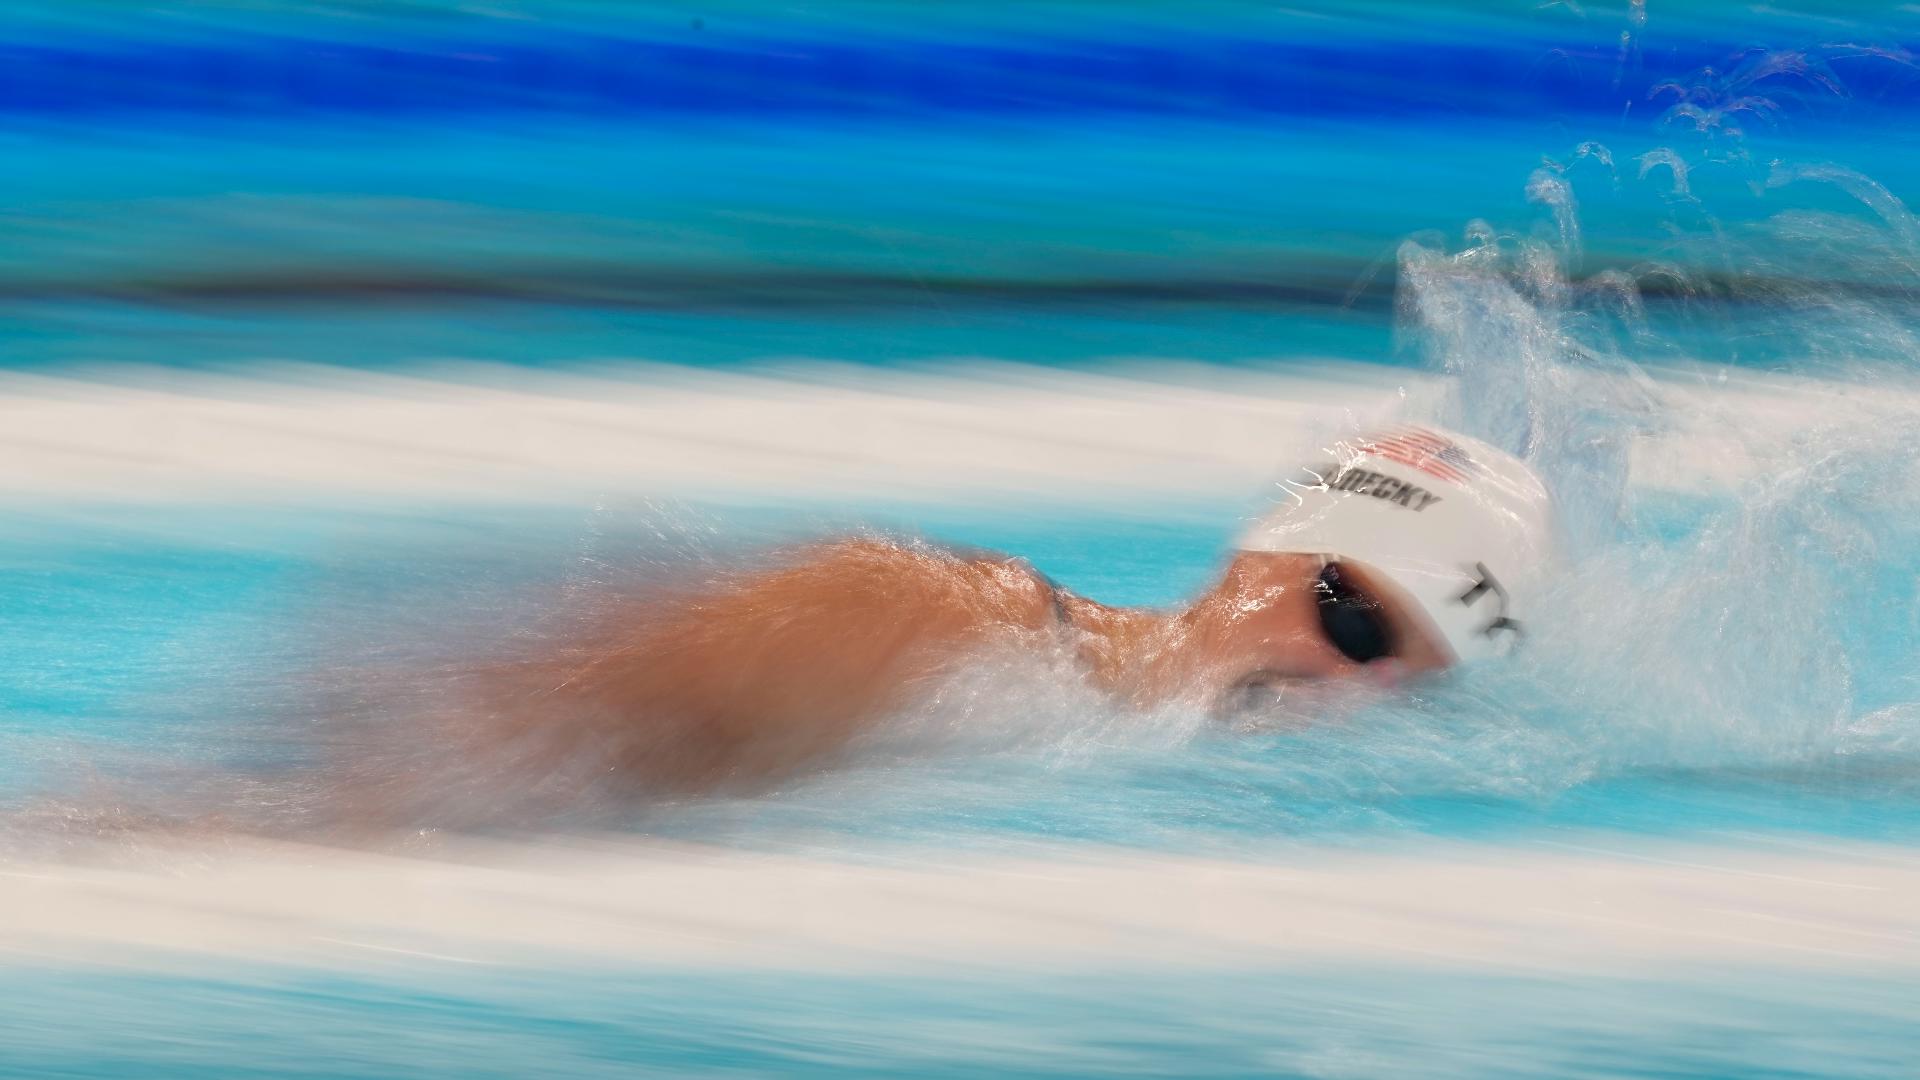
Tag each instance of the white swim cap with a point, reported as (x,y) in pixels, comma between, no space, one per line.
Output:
(1462,528)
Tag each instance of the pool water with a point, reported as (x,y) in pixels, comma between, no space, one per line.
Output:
(1665,254)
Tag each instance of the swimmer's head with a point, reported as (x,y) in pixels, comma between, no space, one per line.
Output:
(1451,534)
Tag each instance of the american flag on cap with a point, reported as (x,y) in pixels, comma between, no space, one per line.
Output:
(1421,449)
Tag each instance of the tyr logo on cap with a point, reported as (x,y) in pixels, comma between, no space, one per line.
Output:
(1485,585)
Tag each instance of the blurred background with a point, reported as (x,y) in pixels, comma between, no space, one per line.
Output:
(345,338)
(373,185)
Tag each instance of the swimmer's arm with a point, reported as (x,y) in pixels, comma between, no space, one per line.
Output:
(758,675)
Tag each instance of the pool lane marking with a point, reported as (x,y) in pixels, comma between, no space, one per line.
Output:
(1684,865)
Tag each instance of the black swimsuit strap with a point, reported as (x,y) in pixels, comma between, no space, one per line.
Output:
(1059,597)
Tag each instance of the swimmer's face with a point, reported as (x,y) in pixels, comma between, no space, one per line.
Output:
(1276,619)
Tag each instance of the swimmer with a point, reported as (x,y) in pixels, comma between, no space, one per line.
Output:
(1386,557)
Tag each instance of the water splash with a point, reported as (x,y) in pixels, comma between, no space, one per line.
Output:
(1674,163)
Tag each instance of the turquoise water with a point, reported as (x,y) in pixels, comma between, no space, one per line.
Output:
(558,185)
(881,183)
(1304,1023)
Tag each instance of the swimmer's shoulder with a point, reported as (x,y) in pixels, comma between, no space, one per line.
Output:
(1041,599)
(989,584)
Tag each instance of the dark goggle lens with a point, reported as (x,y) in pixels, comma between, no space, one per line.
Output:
(1351,619)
